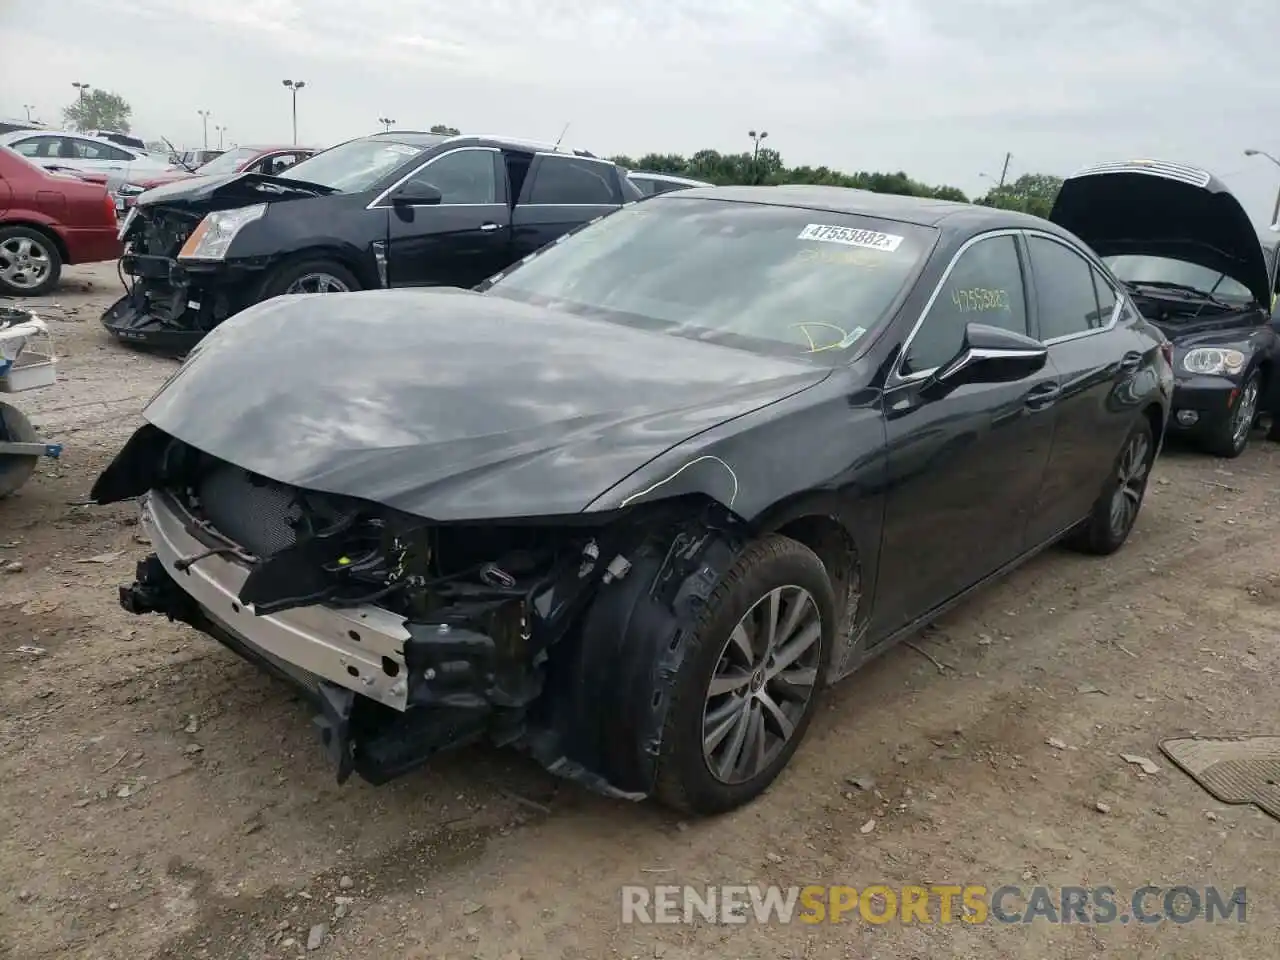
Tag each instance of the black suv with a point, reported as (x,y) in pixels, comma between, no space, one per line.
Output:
(396,209)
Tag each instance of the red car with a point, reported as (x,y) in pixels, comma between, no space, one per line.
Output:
(48,219)
(269,160)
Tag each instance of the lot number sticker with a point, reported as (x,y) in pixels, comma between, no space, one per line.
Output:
(869,239)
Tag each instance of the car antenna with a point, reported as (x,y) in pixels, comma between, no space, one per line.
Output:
(561,137)
(174,151)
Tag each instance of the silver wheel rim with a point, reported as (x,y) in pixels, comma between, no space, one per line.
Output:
(317,283)
(762,684)
(1246,410)
(24,262)
(1131,478)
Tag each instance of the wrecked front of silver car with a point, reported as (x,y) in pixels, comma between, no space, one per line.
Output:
(390,506)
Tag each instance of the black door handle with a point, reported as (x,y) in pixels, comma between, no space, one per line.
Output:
(1130,362)
(1042,396)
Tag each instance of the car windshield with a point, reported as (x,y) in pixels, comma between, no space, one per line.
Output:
(228,162)
(355,165)
(1136,268)
(772,279)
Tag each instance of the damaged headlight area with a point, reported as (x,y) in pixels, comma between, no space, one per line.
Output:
(559,637)
(213,237)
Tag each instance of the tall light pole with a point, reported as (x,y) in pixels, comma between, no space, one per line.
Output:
(1275,214)
(755,154)
(294,86)
(83,88)
(221,131)
(204,120)
(386,123)
(28,107)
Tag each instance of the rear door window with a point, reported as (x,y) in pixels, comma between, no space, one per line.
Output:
(89,150)
(573,181)
(1066,298)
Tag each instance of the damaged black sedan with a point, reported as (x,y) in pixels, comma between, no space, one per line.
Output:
(631,505)
(397,209)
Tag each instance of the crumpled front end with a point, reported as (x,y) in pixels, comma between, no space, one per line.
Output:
(409,637)
(170,306)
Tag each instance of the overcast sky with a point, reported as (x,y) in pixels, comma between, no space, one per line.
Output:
(938,88)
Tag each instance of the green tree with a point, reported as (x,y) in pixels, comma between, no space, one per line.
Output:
(98,110)
(1032,193)
(445,131)
(725,169)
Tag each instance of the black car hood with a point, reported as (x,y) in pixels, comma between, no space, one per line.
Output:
(205,194)
(452,405)
(1161,209)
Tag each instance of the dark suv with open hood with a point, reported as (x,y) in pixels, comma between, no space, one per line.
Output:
(1195,266)
(390,210)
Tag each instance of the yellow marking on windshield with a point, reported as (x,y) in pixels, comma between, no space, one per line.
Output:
(847,337)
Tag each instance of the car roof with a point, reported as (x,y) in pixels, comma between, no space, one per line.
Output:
(668,178)
(270,147)
(45,132)
(923,211)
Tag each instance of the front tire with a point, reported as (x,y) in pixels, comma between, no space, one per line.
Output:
(1116,510)
(748,686)
(319,275)
(1230,440)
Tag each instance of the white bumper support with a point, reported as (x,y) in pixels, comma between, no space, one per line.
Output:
(361,648)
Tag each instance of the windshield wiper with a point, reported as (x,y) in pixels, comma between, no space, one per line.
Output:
(182,163)
(1190,291)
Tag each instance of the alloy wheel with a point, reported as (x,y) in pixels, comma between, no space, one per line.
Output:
(317,283)
(1246,411)
(1131,477)
(762,684)
(24,262)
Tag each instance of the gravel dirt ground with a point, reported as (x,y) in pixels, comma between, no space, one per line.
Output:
(160,798)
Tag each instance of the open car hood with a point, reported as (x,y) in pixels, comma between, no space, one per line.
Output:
(1160,209)
(446,404)
(208,193)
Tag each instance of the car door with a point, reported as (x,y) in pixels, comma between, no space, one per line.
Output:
(1076,309)
(561,192)
(964,467)
(459,240)
(105,158)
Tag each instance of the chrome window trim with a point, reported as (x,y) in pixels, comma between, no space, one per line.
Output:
(896,376)
(376,202)
(1099,267)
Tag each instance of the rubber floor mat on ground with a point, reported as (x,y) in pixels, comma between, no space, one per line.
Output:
(1233,769)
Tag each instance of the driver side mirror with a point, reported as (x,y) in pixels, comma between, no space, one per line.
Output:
(992,355)
(417,193)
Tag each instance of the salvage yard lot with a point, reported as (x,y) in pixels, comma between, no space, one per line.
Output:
(160,798)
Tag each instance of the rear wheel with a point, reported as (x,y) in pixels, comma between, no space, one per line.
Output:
(747,688)
(15,469)
(321,275)
(1232,437)
(1116,509)
(29,262)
